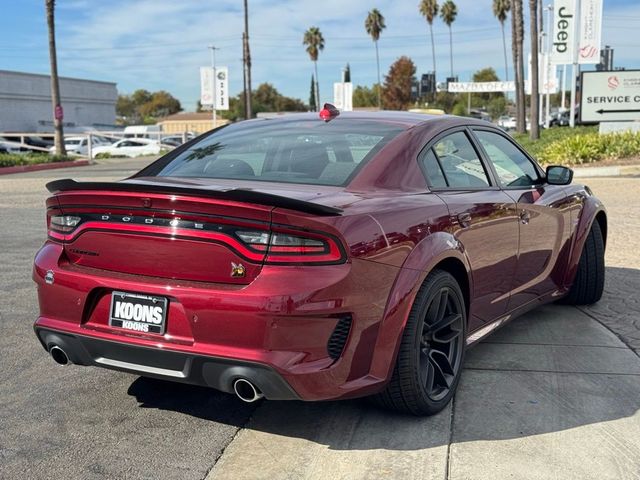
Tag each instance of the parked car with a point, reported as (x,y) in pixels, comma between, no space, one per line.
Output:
(10,145)
(130,147)
(30,140)
(506,122)
(312,258)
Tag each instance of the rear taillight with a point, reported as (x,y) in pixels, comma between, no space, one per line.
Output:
(63,223)
(288,247)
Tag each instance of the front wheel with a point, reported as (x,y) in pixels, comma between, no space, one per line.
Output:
(431,353)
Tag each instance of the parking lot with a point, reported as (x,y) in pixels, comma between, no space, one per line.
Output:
(555,394)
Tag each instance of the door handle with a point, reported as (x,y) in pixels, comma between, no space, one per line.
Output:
(525,216)
(464,219)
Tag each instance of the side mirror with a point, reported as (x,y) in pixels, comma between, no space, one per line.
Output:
(557,175)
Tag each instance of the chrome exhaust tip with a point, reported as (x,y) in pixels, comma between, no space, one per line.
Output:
(59,356)
(247,391)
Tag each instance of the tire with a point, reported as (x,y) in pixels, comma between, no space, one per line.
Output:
(588,284)
(429,362)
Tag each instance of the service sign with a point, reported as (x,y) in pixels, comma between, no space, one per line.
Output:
(563,31)
(610,96)
(590,31)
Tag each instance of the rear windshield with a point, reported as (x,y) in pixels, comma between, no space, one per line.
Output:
(310,151)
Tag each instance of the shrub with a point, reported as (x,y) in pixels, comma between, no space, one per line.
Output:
(12,159)
(591,147)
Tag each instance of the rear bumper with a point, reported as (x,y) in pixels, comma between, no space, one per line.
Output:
(280,328)
(214,372)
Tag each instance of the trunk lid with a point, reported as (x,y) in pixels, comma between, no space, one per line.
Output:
(164,235)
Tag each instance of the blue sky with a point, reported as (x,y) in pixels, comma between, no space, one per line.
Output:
(160,44)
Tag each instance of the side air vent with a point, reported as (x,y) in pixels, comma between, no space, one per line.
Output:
(339,337)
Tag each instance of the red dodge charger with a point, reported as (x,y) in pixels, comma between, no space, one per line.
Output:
(315,257)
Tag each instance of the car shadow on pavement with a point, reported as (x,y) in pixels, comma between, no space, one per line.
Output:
(555,369)
(200,402)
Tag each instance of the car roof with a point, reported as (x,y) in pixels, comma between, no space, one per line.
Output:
(407,119)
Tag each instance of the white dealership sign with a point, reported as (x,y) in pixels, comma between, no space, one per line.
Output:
(590,35)
(206,86)
(222,88)
(563,31)
(610,96)
(481,87)
(343,96)
(547,80)
(218,85)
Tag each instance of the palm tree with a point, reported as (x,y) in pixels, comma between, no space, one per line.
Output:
(500,10)
(535,103)
(50,6)
(429,10)
(374,25)
(517,38)
(448,13)
(314,41)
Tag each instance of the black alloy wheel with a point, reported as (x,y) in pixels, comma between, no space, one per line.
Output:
(441,344)
(431,354)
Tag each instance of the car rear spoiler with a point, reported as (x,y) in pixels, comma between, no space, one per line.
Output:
(235,194)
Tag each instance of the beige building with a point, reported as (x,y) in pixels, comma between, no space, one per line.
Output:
(189,122)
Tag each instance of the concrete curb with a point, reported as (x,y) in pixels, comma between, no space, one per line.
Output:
(42,166)
(608,171)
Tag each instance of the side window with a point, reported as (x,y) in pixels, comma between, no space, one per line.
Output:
(513,167)
(460,163)
(431,166)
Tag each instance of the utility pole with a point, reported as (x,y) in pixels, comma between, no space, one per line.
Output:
(213,79)
(246,54)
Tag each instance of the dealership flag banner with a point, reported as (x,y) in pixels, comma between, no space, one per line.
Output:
(563,31)
(206,86)
(590,35)
(222,88)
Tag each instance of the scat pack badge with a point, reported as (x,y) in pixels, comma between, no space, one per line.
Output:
(237,270)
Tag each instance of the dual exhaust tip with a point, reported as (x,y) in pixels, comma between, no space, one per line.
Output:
(59,355)
(244,389)
(247,391)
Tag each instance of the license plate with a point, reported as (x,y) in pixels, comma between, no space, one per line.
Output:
(138,313)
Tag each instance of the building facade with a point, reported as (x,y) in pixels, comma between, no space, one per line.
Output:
(199,122)
(25,103)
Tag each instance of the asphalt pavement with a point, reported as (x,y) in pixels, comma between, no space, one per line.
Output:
(88,423)
(555,394)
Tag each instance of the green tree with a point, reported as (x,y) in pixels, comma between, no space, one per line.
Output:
(347,73)
(141,96)
(487,74)
(364,97)
(397,84)
(160,104)
(50,6)
(500,10)
(125,107)
(429,10)
(314,41)
(448,13)
(497,106)
(265,98)
(374,24)
(313,106)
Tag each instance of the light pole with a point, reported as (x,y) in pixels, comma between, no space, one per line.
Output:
(213,80)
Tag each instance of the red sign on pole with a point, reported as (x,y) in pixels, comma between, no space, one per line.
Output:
(58,114)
